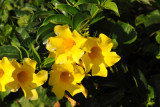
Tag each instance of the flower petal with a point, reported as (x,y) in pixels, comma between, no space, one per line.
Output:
(87,62)
(54,43)
(29,65)
(80,40)
(63,31)
(61,59)
(52,54)
(105,42)
(40,78)
(7,67)
(79,74)
(77,54)
(74,89)
(30,93)
(111,58)
(99,70)
(13,86)
(58,90)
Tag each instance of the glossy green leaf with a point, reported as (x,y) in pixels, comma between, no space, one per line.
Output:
(57,19)
(124,33)
(43,30)
(111,6)
(69,9)
(97,18)
(8,51)
(145,1)
(78,19)
(86,2)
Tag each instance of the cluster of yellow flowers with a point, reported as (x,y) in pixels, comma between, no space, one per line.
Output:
(74,56)
(14,75)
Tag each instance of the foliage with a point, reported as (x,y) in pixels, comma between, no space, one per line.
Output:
(133,25)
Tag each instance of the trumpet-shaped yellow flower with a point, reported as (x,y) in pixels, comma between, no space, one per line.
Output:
(66,45)
(6,70)
(98,55)
(25,77)
(66,77)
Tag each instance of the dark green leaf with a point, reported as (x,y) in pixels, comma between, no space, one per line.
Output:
(4,94)
(124,33)
(69,9)
(86,2)
(57,19)
(8,51)
(158,37)
(35,54)
(23,33)
(78,19)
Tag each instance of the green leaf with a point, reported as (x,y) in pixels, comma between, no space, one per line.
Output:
(48,62)
(69,9)
(23,21)
(111,6)
(145,1)
(4,94)
(124,33)
(57,19)
(97,18)
(79,18)
(35,54)
(44,30)
(24,34)
(86,2)
(140,19)
(8,51)
(41,14)
(158,37)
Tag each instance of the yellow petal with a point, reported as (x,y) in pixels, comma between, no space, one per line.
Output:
(63,31)
(105,42)
(111,58)
(99,70)
(58,90)
(61,59)
(80,40)
(4,81)
(79,74)
(77,54)
(13,86)
(54,43)
(6,66)
(74,89)
(86,62)
(30,93)
(29,65)
(40,78)
(54,77)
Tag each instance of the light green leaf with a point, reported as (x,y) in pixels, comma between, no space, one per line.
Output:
(23,21)
(23,33)
(35,54)
(111,6)
(48,62)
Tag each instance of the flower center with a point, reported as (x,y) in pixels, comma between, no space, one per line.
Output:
(1,73)
(22,77)
(95,53)
(68,44)
(65,76)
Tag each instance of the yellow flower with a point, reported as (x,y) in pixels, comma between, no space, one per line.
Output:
(6,70)
(66,45)
(98,55)
(25,78)
(66,77)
